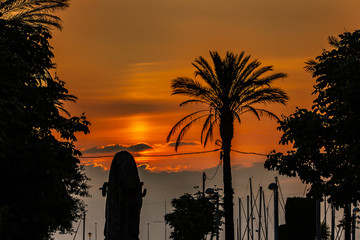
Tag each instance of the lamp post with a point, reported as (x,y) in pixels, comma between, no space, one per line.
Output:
(274,187)
(355,210)
(211,191)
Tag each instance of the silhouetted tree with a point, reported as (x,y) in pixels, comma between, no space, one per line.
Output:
(40,175)
(326,142)
(193,217)
(234,86)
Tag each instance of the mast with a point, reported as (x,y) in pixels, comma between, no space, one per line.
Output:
(165,220)
(251,210)
(266,216)
(261,192)
(247,217)
(239,219)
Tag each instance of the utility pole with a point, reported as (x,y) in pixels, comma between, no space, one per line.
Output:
(203,183)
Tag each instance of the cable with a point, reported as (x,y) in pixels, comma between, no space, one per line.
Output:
(217,168)
(77,229)
(154,155)
(176,154)
(253,153)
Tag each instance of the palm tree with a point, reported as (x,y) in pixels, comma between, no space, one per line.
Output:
(233,86)
(36,13)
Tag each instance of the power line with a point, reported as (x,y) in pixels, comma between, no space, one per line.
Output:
(252,153)
(156,155)
(177,154)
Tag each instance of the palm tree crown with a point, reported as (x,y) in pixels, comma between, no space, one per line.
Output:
(36,13)
(233,86)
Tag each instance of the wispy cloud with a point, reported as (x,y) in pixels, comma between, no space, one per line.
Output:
(118,147)
(172,144)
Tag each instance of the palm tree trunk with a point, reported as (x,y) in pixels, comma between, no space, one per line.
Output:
(227,132)
(228,196)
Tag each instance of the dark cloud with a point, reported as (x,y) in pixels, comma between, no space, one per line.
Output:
(117,148)
(124,107)
(172,144)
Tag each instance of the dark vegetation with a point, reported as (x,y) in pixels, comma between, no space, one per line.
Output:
(326,142)
(41,177)
(193,217)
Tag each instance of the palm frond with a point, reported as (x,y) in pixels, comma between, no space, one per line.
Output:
(259,112)
(192,101)
(181,122)
(210,133)
(269,79)
(205,71)
(257,73)
(237,117)
(192,88)
(249,108)
(264,96)
(36,13)
(249,69)
(206,126)
(185,129)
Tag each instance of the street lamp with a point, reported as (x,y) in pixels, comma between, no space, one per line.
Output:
(355,210)
(274,187)
(211,191)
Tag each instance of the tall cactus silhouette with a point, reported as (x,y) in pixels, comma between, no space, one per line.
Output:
(123,199)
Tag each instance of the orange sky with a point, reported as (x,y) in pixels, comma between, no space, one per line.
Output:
(118,58)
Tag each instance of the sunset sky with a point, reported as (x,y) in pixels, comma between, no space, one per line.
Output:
(119,57)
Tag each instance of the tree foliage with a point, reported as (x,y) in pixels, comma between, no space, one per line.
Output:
(232,86)
(326,142)
(193,217)
(41,176)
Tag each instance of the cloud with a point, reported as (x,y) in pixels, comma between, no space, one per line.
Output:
(172,144)
(117,148)
(126,107)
